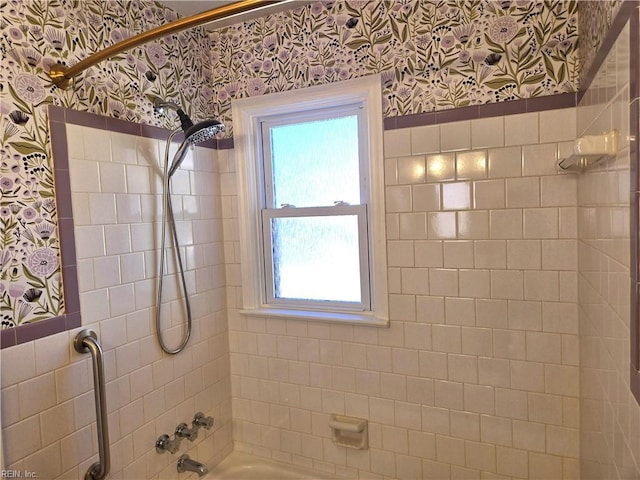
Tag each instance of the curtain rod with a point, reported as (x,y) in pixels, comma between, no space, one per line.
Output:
(62,76)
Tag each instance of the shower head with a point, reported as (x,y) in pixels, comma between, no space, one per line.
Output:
(202,131)
(198,133)
(193,134)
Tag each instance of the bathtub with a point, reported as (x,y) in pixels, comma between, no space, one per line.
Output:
(243,466)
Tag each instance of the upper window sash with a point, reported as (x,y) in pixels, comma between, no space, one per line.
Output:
(271,121)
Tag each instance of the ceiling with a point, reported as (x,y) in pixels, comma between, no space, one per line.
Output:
(187,8)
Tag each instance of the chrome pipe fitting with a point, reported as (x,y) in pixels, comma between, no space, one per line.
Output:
(201,421)
(183,431)
(165,444)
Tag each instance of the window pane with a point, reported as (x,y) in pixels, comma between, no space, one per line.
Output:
(316,258)
(316,163)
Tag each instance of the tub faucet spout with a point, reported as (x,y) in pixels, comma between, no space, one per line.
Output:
(185,464)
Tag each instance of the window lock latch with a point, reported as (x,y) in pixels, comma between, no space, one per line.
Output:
(341,203)
(287,205)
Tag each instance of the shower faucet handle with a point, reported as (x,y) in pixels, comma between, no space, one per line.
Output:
(183,431)
(201,421)
(165,444)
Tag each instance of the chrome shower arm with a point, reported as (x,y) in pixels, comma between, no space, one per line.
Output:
(160,105)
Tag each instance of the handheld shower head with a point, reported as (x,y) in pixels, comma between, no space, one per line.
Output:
(202,131)
(198,133)
(193,134)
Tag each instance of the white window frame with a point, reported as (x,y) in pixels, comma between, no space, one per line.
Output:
(247,114)
(359,209)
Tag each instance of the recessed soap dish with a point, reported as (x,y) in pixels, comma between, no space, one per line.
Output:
(349,432)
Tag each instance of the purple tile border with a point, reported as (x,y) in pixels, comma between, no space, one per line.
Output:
(526,105)
(151,131)
(457,114)
(71,293)
(73,320)
(63,198)
(225,143)
(503,108)
(8,337)
(33,331)
(59,148)
(213,144)
(85,119)
(426,118)
(62,116)
(122,126)
(67,249)
(552,102)
(387,123)
(44,328)
(56,114)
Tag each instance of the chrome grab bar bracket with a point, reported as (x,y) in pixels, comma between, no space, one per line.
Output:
(79,341)
(86,341)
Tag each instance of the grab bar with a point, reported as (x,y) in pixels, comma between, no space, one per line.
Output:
(87,341)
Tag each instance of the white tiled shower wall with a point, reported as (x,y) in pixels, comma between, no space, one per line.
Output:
(47,395)
(478,372)
(610,436)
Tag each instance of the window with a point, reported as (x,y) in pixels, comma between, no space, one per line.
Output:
(310,202)
(314,216)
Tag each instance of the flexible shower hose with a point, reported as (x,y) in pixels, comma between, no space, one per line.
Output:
(168,217)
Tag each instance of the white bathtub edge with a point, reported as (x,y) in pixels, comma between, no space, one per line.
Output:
(240,460)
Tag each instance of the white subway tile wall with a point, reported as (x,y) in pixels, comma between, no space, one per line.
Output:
(48,411)
(477,374)
(610,415)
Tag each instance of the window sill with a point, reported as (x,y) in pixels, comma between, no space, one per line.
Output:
(360,318)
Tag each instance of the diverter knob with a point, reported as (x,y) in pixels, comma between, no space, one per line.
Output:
(201,421)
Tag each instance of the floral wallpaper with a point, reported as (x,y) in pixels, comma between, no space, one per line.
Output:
(34,35)
(595,18)
(432,54)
